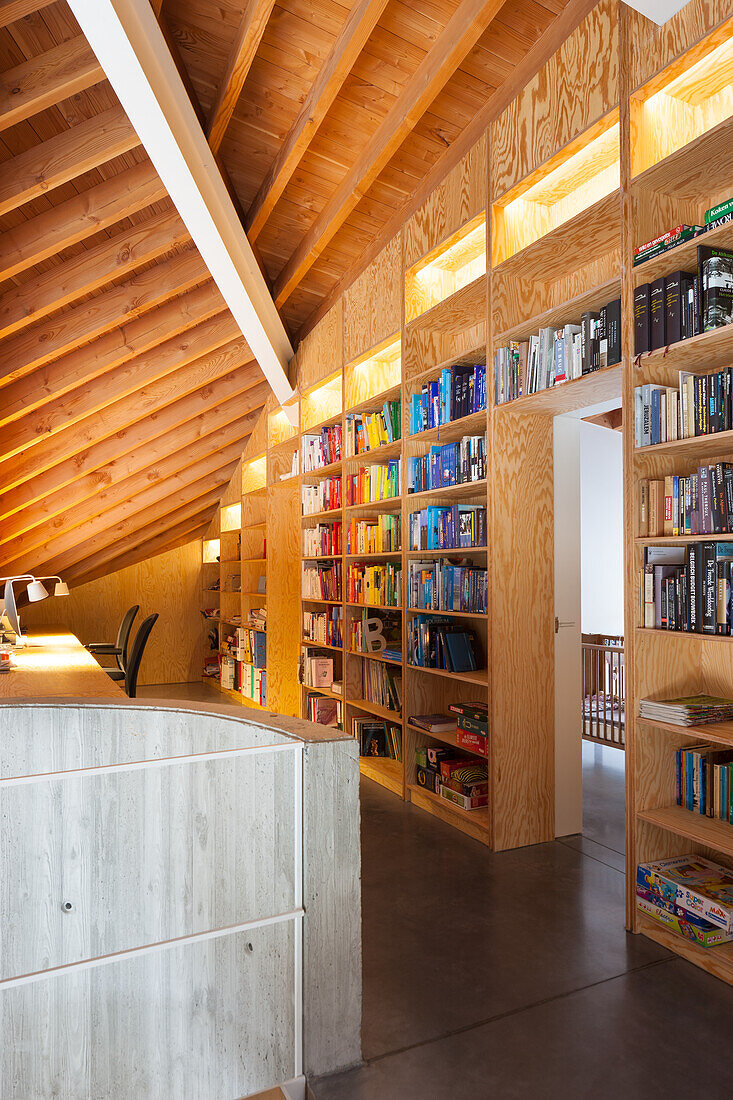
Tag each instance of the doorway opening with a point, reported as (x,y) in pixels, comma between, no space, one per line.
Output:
(589,628)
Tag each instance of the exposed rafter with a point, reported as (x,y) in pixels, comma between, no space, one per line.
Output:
(249,34)
(459,36)
(11,10)
(351,40)
(43,81)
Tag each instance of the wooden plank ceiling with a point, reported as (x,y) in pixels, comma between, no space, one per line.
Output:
(127,390)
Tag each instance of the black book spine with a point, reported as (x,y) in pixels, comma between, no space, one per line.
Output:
(613,331)
(642,320)
(721,579)
(716,501)
(693,596)
(727,469)
(696,296)
(676,301)
(658,313)
(710,584)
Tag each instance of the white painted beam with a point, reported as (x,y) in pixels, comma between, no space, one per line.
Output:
(129,45)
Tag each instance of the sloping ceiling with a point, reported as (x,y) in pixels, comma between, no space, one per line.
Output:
(127,392)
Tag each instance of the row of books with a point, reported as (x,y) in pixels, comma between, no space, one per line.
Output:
(315,669)
(381,684)
(557,355)
(324,496)
(377,737)
(458,392)
(699,405)
(687,710)
(444,586)
(322,580)
(680,305)
(458,779)
(257,618)
(245,678)
(703,781)
(381,634)
(688,588)
(322,449)
(452,464)
(468,723)
(251,646)
(367,431)
(374,584)
(324,626)
(324,710)
(324,538)
(375,535)
(689,894)
(720,214)
(380,481)
(699,504)
(448,528)
(441,643)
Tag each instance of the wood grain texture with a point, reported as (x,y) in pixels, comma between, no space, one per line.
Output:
(373,305)
(655,47)
(522,676)
(322,349)
(168,584)
(57,74)
(283,588)
(54,664)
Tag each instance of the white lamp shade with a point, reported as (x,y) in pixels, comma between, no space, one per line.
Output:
(61,589)
(36,591)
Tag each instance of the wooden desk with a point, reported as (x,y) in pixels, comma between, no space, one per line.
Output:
(56,664)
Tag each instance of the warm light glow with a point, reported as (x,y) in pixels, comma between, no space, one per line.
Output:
(373,373)
(254,474)
(446,269)
(231,517)
(212,550)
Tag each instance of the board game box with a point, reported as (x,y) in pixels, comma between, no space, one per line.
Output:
(695,884)
(692,927)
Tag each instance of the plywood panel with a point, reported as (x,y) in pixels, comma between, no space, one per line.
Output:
(321,352)
(373,303)
(283,591)
(168,584)
(654,47)
(577,86)
(459,198)
(522,676)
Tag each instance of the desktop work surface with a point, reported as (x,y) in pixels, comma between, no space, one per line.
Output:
(54,664)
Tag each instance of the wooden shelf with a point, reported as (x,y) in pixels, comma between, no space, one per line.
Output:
(323,691)
(374,708)
(378,454)
(323,517)
(684,256)
(463,491)
(568,312)
(693,826)
(321,557)
(672,540)
(699,169)
(254,561)
(480,677)
(720,733)
(255,595)
(454,614)
(470,358)
(640,631)
(715,960)
(314,429)
(389,504)
(577,393)
(447,738)
(455,552)
(375,606)
(314,599)
(706,352)
(383,770)
(473,822)
(702,446)
(374,404)
(473,424)
(322,645)
(377,556)
(254,526)
(375,657)
(446,269)
(311,477)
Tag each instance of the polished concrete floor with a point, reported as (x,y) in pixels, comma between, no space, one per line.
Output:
(509,976)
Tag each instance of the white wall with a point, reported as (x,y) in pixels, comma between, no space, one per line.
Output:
(601,489)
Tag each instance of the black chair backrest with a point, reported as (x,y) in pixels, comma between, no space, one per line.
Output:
(123,634)
(136,654)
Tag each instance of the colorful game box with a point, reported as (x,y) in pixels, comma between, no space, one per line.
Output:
(693,928)
(695,884)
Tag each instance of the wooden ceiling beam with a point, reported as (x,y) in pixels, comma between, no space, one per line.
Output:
(73,221)
(42,81)
(117,256)
(92,492)
(341,58)
(75,545)
(12,10)
(173,472)
(142,547)
(149,402)
(538,55)
(61,158)
(141,435)
(241,56)
(80,367)
(52,338)
(459,36)
(93,397)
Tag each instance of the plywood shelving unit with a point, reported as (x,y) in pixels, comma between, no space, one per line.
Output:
(680,162)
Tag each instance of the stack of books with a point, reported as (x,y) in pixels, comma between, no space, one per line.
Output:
(444,586)
(315,670)
(322,449)
(690,895)
(688,588)
(322,709)
(322,581)
(380,481)
(700,503)
(458,392)
(324,538)
(699,405)
(472,729)
(377,737)
(368,431)
(374,584)
(687,710)
(323,497)
(451,464)
(323,626)
(381,684)
(377,535)
(703,781)
(440,643)
(441,528)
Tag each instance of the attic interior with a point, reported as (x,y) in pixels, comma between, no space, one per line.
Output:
(365,435)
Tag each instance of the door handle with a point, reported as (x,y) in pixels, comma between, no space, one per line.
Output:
(558,624)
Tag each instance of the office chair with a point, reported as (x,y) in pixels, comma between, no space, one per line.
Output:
(118,650)
(136,655)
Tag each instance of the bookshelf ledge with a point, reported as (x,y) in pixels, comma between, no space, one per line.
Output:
(693,826)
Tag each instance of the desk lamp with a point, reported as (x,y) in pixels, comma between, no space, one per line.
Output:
(36,591)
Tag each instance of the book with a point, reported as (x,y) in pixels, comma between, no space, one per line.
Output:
(642,319)
(674,917)
(433,723)
(715,272)
(687,710)
(695,884)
